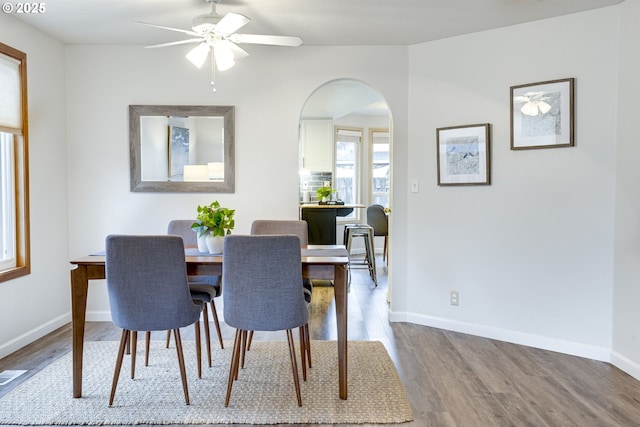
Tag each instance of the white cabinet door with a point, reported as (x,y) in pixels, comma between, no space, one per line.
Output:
(317,145)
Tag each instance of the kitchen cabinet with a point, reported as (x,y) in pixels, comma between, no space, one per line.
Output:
(316,145)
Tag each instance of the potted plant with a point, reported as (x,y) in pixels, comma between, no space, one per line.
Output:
(213,222)
(324,193)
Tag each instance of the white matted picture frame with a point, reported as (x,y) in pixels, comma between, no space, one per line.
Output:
(464,155)
(542,115)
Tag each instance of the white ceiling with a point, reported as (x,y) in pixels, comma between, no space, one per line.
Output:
(318,22)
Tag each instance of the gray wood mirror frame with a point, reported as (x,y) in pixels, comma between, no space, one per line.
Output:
(182,148)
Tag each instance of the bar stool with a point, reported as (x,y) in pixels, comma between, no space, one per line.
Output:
(366,232)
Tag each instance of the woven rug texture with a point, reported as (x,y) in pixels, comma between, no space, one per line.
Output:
(263,394)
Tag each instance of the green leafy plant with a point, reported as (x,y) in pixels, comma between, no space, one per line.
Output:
(214,218)
(323,192)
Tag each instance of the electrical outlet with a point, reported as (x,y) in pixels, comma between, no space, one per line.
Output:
(455,298)
(415,185)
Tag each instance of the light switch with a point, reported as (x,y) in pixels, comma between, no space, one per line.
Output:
(414,185)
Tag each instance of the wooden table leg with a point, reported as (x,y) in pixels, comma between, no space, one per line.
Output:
(79,286)
(341,297)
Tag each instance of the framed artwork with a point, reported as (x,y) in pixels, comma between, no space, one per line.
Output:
(463,155)
(178,150)
(542,115)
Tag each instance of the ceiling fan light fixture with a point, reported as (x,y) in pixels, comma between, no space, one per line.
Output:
(224,58)
(198,55)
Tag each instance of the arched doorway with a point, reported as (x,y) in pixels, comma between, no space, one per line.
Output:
(345,142)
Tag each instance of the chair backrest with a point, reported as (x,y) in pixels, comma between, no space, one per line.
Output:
(147,283)
(261,277)
(182,228)
(274,226)
(378,220)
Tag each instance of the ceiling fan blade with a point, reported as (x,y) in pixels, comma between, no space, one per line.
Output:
(290,41)
(175,43)
(191,33)
(230,23)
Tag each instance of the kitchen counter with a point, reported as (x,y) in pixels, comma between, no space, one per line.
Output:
(321,220)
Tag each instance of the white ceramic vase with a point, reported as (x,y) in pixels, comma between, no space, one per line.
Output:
(215,244)
(202,243)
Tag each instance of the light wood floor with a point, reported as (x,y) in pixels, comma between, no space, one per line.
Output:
(452,379)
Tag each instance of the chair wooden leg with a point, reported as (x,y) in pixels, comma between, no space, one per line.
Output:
(235,360)
(147,343)
(303,353)
(183,371)
(124,339)
(294,365)
(308,344)
(128,346)
(243,349)
(168,338)
(207,334)
(134,347)
(249,340)
(214,314)
(198,348)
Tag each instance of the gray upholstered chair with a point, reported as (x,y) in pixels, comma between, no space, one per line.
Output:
(148,291)
(261,276)
(298,228)
(204,288)
(377,219)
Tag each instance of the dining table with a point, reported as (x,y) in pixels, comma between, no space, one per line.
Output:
(326,262)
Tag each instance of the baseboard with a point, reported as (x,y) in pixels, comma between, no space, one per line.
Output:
(625,364)
(602,354)
(98,316)
(33,335)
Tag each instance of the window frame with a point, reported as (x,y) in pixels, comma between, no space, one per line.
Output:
(372,193)
(355,215)
(21,174)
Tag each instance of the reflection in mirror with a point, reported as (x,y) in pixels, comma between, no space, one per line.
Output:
(182,148)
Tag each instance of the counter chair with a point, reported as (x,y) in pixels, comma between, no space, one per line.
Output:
(377,218)
(148,291)
(261,279)
(367,233)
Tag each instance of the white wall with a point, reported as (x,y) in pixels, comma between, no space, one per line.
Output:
(530,254)
(268,90)
(626,292)
(38,303)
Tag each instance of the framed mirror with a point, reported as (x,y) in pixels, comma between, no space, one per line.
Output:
(182,148)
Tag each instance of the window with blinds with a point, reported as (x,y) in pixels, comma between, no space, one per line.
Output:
(14,184)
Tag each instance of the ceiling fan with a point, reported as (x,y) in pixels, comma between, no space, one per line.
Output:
(216,35)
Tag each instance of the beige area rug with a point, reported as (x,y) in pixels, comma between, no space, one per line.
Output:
(264,393)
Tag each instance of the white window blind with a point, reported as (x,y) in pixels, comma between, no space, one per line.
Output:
(10,111)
